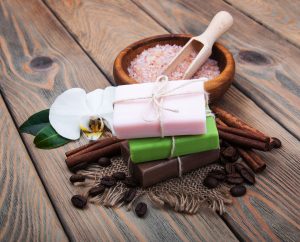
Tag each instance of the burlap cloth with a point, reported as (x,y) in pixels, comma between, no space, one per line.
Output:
(186,194)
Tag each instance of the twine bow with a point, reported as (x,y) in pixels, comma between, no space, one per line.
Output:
(161,90)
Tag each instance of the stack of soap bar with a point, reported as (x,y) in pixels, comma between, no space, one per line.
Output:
(135,115)
(150,173)
(150,149)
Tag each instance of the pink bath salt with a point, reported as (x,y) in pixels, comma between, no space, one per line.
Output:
(150,64)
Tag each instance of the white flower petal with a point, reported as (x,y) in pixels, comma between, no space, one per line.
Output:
(94,100)
(107,109)
(66,112)
(84,121)
(101,103)
(108,100)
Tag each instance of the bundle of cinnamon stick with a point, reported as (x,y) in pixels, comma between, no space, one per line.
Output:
(80,157)
(244,138)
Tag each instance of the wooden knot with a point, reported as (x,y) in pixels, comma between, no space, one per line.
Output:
(41,62)
(253,57)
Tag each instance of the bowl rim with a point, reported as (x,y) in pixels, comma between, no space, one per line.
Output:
(123,75)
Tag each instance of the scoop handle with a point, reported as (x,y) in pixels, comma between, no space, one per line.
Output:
(220,23)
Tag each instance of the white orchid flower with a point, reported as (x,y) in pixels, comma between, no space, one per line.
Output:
(72,111)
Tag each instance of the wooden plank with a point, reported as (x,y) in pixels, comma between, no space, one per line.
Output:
(118,25)
(33,31)
(26,213)
(269,211)
(266,65)
(282,17)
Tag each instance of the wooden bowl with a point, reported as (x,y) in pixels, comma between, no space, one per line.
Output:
(215,87)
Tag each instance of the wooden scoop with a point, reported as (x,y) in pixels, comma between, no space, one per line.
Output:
(201,44)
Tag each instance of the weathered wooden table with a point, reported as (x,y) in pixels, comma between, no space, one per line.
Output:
(82,38)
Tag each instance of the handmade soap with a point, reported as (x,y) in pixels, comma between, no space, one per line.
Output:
(150,173)
(149,149)
(180,110)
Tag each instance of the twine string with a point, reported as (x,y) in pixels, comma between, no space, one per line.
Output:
(179,167)
(160,90)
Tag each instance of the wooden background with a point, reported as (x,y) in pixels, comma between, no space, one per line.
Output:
(82,39)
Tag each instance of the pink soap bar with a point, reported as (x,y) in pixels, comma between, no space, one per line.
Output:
(135,116)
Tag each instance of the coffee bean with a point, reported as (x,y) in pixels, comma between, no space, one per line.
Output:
(229,168)
(78,167)
(210,182)
(239,166)
(218,174)
(234,178)
(245,172)
(94,191)
(129,195)
(108,181)
(224,144)
(275,143)
(79,201)
(248,176)
(238,191)
(119,176)
(230,154)
(141,209)
(104,161)
(129,182)
(222,149)
(77,178)
(222,160)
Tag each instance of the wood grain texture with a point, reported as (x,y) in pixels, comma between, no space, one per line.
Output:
(270,211)
(105,27)
(26,213)
(266,65)
(30,85)
(282,17)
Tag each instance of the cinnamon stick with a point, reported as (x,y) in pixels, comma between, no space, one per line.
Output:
(94,155)
(244,142)
(72,152)
(243,133)
(252,159)
(92,146)
(249,156)
(99,145)
(220,122)
(234,121)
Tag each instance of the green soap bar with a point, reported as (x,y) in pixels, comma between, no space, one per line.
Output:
(149,149)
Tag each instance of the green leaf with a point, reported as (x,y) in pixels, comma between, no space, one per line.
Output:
(36,122)
(47,138)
